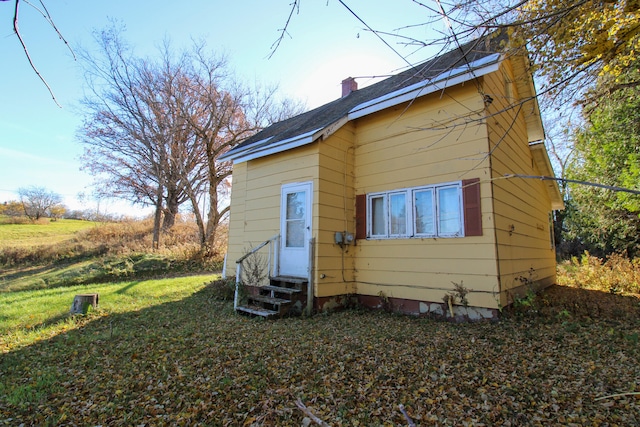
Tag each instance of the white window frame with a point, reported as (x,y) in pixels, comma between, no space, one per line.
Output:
(407,215)
(385,215)
(410,214)
(460,229)
(434,213)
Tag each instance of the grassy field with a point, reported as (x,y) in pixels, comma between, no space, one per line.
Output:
(167,351)
(44,232)
(70,252)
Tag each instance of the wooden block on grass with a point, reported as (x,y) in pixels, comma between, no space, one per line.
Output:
(82,302)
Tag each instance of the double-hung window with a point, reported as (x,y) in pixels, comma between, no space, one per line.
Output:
(429,211)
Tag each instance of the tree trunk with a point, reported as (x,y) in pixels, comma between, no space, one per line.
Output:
(169,219)
(157,219)
(171,210)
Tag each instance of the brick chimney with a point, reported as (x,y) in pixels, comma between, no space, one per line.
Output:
(349,85)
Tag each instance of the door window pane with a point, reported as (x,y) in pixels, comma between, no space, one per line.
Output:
(398,214)
(295,234)
(295,205)
(295,219)
(449,211)
(378,221)
(424,212)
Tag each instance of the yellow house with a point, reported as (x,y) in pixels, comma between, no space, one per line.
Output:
(414,194)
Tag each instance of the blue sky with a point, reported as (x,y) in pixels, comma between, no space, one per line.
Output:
(325,44)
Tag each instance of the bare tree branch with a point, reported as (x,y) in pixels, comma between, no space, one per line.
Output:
(274,47)
(16,29)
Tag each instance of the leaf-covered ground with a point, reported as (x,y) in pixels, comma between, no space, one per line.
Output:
(557,361)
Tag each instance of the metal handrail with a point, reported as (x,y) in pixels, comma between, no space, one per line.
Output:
(252,251)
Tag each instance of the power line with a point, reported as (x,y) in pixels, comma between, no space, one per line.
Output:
(375,33)
(574,181)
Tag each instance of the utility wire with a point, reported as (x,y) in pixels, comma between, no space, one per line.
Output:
(375,32)
(574,181)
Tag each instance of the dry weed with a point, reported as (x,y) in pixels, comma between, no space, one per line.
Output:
(616,274)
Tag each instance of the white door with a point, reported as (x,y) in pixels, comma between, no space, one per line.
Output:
(295,229)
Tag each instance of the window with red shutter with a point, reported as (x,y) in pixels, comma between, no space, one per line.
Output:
(443,210)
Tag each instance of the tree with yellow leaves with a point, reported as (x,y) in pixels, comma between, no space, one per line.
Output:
(572,43)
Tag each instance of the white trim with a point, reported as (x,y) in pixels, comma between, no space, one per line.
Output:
(229,155)
(440,82)
(259,149)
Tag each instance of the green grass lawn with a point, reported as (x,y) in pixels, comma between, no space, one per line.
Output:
(45,232)
(29,316)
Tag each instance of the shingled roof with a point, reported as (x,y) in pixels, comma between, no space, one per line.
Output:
(464,63)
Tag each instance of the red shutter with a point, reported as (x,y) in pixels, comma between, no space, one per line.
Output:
(472,211)
(361,216)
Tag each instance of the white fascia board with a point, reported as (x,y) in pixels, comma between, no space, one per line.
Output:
(231,154)
(255,152)
(486,65)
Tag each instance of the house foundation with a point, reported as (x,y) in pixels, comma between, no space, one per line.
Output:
(406,306)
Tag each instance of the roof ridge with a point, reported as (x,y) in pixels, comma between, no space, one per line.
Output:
(369,98)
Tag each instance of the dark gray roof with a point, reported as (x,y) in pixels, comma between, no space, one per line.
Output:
(327,114)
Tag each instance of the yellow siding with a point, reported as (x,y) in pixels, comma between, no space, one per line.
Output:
(335,265)
(440,138)
(521,206)
(255,197)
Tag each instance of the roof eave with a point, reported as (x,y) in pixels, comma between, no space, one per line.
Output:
(526,89)
(541,158)
(260,149)
(475,69)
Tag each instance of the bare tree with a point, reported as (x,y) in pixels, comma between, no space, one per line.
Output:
(156,128)
(38,202)
(126,146)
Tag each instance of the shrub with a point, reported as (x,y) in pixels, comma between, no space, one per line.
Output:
(223,289)
(616,273)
